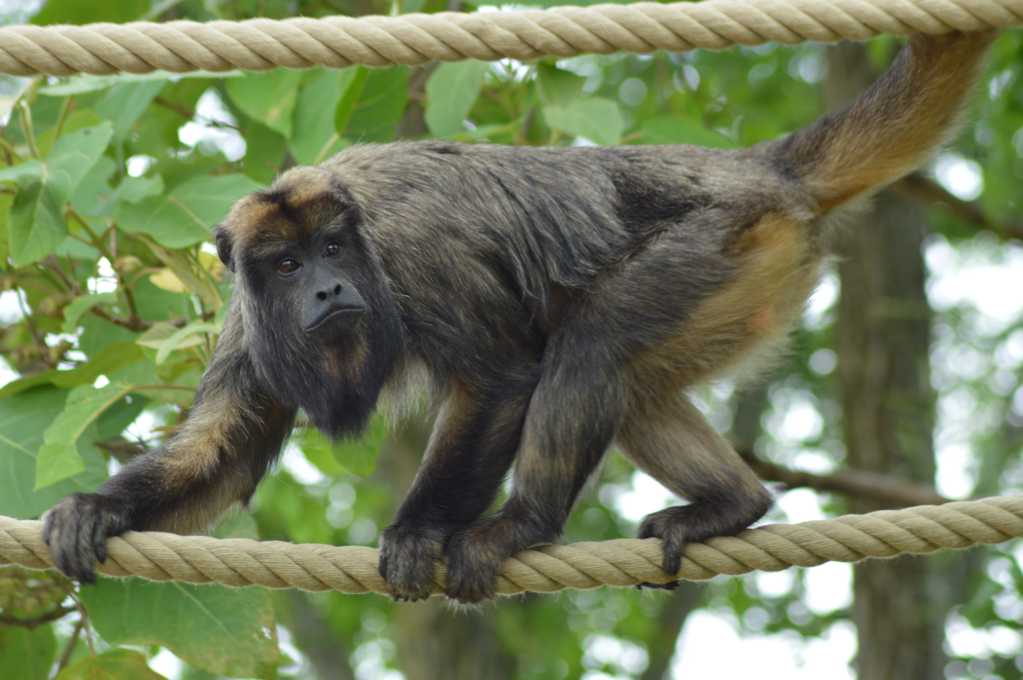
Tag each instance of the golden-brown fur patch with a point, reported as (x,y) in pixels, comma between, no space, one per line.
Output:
(778,266)
(195,452)
(298,203)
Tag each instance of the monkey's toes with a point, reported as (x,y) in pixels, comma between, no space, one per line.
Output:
(472,569)
(408,557)
(669,585)
(76,531)
(671,525)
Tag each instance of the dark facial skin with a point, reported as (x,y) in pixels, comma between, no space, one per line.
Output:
(314,275)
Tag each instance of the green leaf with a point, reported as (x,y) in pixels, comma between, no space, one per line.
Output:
(116,664)
(314,138)
(450,93)
(78,12)
(94,196)
(358,456)
(182,266)
(557,87)
(353,83)
(21,172)
(79,119)
(378,108)
(264,155)
(677,130)
(5,219)
(73,155)
(221,630)
(187,214)
(23,419)
(267,97)
(178,339)
(73,312)
(97,334)
(58,458)
(135,189)
(85,83)
(592,118)
(118,417)
(36,226)
(318,450)
(124,103)
(155,304)
(27,653)
(113,356)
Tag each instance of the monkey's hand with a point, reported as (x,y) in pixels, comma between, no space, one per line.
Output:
(76,531)
(408,555)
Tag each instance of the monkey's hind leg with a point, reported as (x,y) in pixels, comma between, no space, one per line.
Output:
(672,442)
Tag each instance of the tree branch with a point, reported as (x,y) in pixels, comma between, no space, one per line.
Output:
(859,484)
(923,188)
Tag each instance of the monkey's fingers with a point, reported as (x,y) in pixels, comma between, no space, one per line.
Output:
(63,531)
(76,531)
(82,551)
(407,560)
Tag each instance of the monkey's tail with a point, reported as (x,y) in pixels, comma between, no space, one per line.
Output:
(894,125)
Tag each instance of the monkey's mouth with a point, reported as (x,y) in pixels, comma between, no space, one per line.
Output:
(334,313)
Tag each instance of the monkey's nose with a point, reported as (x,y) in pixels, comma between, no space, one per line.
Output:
(333,300)
(324,294)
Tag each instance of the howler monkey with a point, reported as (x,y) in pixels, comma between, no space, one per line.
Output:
(561,299)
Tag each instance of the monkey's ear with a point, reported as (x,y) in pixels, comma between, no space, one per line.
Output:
(225,246)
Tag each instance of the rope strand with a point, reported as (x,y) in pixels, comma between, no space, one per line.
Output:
(261,44)
(622,562)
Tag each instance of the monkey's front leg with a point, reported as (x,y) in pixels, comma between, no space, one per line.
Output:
(232,434)
(472,446)
(572,419)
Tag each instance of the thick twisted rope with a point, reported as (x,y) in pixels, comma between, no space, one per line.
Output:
(261,44)
(624,562)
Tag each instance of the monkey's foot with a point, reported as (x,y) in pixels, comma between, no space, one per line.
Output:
(475,555)
(408,554)
(699,521)
(76,531)
(675,527)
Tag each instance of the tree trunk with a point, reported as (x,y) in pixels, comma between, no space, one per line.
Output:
(883,348)
(675,610)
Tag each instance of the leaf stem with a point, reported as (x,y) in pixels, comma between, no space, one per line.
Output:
(25,115)
(101,246)
(72,642)
(65,109)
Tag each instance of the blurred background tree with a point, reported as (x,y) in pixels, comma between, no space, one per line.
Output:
(902,386)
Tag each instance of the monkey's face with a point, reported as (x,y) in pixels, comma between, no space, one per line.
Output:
(312,281)
(319,320)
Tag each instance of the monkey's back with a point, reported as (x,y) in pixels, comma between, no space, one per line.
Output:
(514,241)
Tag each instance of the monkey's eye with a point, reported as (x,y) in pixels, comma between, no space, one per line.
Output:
(288,266)
(332,249)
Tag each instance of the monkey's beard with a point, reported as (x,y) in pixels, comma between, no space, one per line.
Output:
(334,375)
